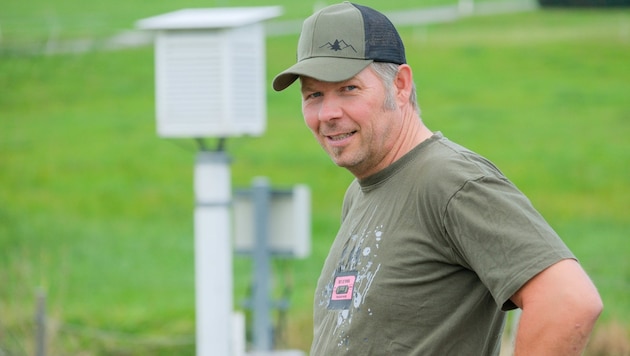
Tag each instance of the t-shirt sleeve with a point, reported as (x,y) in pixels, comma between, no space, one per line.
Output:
(496,232)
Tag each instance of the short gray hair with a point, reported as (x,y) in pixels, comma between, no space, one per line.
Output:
(387,73)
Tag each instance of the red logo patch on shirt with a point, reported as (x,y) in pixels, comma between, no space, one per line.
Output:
(341,295)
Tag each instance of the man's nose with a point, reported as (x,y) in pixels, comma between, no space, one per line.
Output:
(330,108)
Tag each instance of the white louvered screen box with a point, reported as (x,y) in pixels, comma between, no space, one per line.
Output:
(210,71)
(289,222)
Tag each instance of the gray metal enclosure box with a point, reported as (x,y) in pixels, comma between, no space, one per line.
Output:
(210,71)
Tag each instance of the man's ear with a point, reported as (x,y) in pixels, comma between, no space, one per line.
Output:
(403,84)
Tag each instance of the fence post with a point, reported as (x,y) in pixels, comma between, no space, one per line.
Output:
(40,321)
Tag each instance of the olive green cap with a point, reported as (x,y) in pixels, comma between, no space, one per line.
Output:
(339,41)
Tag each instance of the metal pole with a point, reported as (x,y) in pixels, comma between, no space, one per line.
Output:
(263,330)
(213,254)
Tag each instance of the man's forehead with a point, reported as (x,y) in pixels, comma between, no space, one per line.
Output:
(308,82)
(312,84)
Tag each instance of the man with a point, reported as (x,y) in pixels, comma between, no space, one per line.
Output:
(435,242)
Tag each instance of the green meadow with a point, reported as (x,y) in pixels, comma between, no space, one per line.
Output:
(96,210)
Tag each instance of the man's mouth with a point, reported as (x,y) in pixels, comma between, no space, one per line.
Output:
(341,136)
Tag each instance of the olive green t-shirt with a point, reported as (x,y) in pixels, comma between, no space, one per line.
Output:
(428,254)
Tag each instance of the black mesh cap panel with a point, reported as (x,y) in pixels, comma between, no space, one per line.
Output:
(382,42)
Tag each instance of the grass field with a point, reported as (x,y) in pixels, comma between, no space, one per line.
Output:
(96,210)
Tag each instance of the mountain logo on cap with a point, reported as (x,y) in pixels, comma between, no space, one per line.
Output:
(338,46)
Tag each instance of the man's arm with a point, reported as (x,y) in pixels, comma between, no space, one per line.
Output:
(559,308)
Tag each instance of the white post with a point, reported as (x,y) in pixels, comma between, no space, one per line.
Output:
(238,334)
(213,254)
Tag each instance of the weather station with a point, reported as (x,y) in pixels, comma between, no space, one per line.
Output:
(210,83)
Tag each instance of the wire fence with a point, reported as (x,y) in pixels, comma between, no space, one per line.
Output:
(47,335)
(53,35)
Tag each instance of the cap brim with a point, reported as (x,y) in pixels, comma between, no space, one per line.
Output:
(326,69)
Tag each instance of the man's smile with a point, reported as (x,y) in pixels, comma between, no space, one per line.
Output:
(340,137)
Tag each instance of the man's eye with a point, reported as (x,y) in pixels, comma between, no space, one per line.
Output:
(350,87)
(314,95)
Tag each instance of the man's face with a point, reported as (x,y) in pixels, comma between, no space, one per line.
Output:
(351,123)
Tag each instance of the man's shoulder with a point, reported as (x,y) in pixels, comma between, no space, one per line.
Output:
(445,158)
